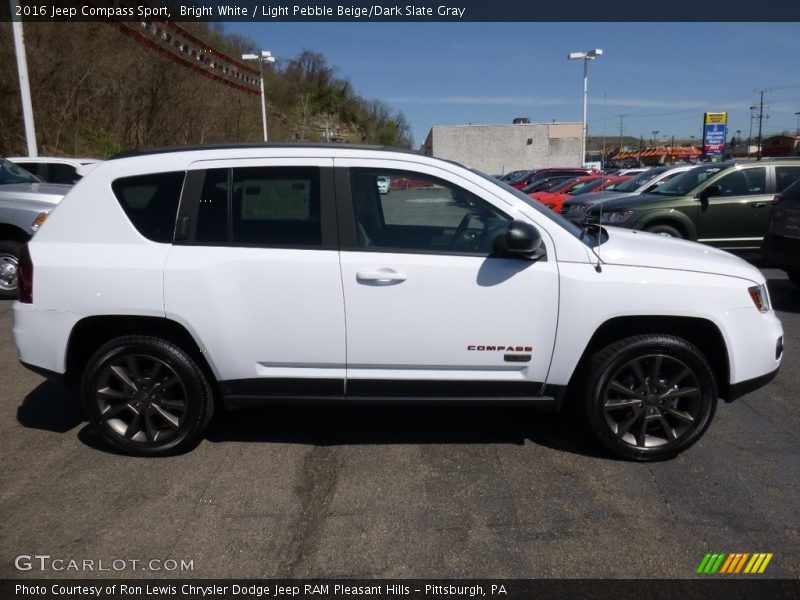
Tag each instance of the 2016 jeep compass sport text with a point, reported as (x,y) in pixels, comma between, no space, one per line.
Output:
(168,281)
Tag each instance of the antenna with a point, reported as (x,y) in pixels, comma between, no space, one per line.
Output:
(597,266)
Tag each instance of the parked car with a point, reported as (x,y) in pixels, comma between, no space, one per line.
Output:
(25,202)
(260,274)
(575,209)
(527,179)
(781,247)
(53,169)
(546,183)
(629,171)
(580,186)
(512,175)
(723,204)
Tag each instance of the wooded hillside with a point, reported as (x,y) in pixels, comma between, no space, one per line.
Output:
(96,92)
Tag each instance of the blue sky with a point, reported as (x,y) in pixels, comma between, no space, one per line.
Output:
(663,76)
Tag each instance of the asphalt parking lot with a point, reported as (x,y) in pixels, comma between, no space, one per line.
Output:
(394,492)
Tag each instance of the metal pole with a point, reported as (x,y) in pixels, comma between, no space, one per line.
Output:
(585,104)
(24,87)
(263,98)
(797,129)
(760,118)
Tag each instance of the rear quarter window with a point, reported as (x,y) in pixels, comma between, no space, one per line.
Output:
(151,202)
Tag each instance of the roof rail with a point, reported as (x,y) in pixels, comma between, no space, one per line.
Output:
(244,145)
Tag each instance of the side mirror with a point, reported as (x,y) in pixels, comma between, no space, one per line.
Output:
(521,239)
(710,192)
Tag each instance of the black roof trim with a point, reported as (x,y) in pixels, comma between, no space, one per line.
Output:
(190,148)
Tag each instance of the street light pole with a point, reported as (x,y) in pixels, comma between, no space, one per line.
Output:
(797,128)
(585,57)
(267,57)
(24,87)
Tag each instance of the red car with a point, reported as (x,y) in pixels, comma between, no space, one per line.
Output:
(536,174)
(556,197)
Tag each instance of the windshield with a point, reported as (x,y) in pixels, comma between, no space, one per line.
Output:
(11,173)
(585,237)
(587,187)
(638,181)
(684,183)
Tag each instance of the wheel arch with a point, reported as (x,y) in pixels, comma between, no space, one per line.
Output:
(672,218)
(702,333)
(90,333)
(13,233)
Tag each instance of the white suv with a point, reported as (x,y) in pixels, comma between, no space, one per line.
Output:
(168,281)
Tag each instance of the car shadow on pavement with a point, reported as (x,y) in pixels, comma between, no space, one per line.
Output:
(54,407)
(51,407)
(362,425)
(784,294)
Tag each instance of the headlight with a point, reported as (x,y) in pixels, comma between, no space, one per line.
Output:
(40,218)
(615,217)
(760,296)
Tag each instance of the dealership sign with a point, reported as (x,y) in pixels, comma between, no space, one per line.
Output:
(715,131)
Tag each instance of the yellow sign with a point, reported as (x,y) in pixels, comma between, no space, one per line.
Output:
(716,117)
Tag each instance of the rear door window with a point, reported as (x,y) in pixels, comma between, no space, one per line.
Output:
(786,176)
(151,202)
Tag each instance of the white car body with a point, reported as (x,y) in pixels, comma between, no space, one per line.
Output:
(353,323)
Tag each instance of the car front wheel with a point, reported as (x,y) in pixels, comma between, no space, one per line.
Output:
(146,396)
(664,229)
(9,263)
(649,397)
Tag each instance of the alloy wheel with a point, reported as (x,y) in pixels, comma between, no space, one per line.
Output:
(652,401)
(8,272)
(141,399)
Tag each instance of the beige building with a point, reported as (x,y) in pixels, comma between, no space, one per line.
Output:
(497,149)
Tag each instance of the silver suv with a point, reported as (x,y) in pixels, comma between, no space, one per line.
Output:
(25,202)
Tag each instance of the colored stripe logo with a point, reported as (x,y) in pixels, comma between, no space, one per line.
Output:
(734,563)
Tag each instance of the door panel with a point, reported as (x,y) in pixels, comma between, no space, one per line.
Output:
(739,217)
(429,311)
(449,318)
(263,292)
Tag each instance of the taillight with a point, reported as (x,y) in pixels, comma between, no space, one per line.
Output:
(777,199)
(25,276)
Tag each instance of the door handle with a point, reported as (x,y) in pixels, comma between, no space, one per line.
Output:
(380,277)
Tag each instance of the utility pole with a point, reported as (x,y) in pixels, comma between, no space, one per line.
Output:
(24,87)
(750,136)
(641,142)
(760,121)
(621,117)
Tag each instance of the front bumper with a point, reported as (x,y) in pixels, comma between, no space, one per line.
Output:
(737,390)
(755,348)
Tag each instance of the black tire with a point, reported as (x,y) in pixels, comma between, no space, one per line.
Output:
(146,396)
(794,277)
(630,415)
(9,261)
(664,229)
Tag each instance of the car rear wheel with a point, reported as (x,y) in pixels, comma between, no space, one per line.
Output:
(664,229)
(649,397)
(146,396)
(9,263)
